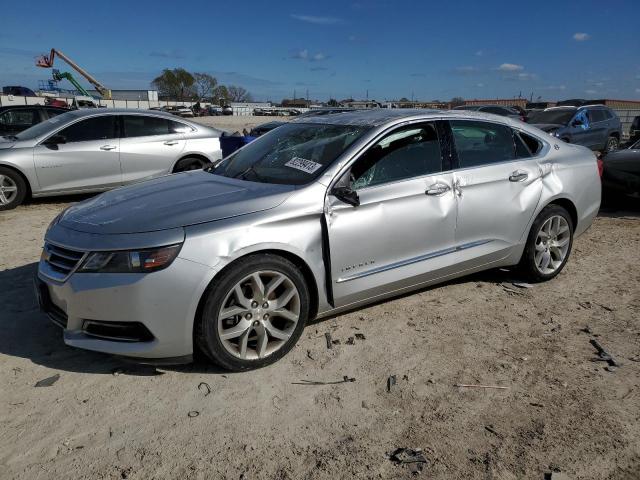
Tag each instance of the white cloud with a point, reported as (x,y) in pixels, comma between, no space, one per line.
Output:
(318,57)
(306,56)
(637,90)
(510,67)
(479,53)
(526,76)
(317,20)
(479,85)
(590,91)
(301,54)
(556,87)
(581,37)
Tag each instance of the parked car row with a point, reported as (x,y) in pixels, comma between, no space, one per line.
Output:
(95,150)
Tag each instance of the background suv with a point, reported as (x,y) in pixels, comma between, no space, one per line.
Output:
(15,119)
(593,126)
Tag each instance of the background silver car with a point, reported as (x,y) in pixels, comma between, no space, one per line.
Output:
(95,150)
(313,218)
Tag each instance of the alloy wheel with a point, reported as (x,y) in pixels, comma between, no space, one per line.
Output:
(612,145)
(259,315)
(552,244)
(8,190)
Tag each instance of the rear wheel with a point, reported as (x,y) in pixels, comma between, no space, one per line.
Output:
(612,144)
(548,245)
(189,163)
(13,189)
(254,314)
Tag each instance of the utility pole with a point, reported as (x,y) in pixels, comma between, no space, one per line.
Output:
(367,94)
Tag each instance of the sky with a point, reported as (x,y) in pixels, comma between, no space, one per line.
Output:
(385,49)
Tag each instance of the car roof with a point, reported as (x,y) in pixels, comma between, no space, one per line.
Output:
(380,116)
(129,111)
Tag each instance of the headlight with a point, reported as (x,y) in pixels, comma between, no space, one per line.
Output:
(131,261)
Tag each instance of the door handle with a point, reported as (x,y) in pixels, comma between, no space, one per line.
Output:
(518,176)
(438,189)
(171,142)
(108,147)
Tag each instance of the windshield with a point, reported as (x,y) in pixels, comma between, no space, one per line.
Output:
(292,154)
(560,117)
(45,127)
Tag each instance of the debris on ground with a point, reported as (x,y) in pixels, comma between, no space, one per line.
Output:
(556,476)
(309,356)
(464,385)
(510,289)
(603,355)
(345,379)
(521,284)
(350,341)
(335,342)
(193,413)
(409,456)
(491,429)
(204,386)
(327,336)
(391,381)
(587,330)
(117,371)
(360,336)
(47,382)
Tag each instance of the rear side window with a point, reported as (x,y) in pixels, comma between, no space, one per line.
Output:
(142,126)
(408,152)
(497,111)
(95,128)
(598,115)
(482,143)
(533,144)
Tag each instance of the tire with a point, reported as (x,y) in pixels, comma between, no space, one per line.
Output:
(188,164)
(612,144)
(13,189)
(236,340)
(536,251)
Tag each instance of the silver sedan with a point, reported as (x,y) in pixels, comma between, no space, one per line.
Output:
(96,150)
(316,217)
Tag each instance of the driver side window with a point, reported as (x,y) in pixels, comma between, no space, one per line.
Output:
(411,151)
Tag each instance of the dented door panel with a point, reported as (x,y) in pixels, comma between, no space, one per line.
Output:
(396,237)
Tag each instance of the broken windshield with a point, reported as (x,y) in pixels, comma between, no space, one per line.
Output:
(558,117)
(292,154)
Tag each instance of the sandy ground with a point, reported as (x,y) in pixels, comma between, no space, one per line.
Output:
(560,410)
(236,124)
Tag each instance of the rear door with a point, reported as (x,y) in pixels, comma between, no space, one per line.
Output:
(599,128)
(150,146)
(498,186)
(88,160)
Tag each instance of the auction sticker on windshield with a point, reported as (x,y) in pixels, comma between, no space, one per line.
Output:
(308,166)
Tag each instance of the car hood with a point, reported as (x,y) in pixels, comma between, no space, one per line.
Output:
(548,127)
(172,201)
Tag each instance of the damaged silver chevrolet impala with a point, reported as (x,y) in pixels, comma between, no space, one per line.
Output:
(318,216)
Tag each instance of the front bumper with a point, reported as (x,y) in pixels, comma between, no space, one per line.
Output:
(163,303)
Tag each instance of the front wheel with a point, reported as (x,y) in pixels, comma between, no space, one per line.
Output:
(548,245)
(254,314)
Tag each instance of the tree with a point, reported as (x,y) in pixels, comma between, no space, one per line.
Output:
(457,101)
(176,83)
(220,96)
(332,102)
(205,85)
(238,94)
(404,100)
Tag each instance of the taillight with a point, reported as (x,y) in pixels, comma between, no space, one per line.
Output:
(600,166)
(523,118)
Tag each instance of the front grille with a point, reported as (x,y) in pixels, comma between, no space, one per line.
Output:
(62,261)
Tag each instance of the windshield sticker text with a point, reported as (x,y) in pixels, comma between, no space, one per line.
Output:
(308,166)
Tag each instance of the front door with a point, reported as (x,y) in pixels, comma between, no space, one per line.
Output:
(403,229)
(498,186)
(150,146)
(86,157)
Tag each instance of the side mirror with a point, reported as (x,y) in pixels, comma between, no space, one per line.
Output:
(346,195)
(55,140)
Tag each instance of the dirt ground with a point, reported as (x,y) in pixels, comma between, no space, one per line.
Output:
(560,410)
(236,124)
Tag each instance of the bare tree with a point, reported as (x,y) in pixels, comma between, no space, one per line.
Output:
(205,85)
(238,94)
(457,101)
